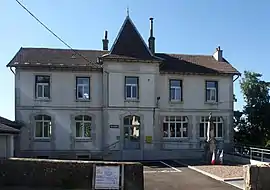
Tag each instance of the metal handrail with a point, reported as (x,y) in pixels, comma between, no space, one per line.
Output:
(106,149)
(253,153)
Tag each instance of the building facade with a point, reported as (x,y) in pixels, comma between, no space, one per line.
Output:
(129,103)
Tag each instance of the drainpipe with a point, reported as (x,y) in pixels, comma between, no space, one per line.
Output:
(236,78)
(154,113)
(12,70)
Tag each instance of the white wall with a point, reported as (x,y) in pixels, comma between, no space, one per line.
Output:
(147,74)
(194,92)
(63,105)
(63,89)
(63,127)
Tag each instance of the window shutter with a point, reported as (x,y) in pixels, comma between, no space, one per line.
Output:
(181,85)
(169,89)
(35,87)
(125,89)
(217,90)
(76,87)
(205,89)
(138,90)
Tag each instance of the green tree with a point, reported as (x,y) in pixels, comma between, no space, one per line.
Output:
(255,128)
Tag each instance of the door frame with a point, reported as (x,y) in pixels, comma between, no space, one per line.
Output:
(122,138)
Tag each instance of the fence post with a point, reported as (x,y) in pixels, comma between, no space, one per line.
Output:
(122,176)
(93,177)
(250,154)
(262,155)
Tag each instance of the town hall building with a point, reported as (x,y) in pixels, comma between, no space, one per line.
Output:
(126,103)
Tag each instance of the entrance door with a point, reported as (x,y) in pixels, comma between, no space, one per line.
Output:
(132,132)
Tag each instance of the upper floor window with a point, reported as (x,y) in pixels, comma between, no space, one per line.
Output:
(211,91)
(42,85)
(176,90)
(132,87)
(218,126)
(83,126)
(83,88)
(43,126)
(175,127)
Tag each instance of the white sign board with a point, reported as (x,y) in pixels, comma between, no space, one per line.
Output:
(107,177)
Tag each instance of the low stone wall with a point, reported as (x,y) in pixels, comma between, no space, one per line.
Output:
(62,173)
(256,177)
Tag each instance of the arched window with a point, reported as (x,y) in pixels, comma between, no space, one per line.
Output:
(175,127)
(43,126)
(83,126)
(218,126)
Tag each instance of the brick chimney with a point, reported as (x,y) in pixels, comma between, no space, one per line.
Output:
(218,54)
(151,40)
(105,41)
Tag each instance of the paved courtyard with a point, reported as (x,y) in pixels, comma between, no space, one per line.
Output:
(160,175)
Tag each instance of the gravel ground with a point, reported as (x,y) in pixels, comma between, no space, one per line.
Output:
(224,171)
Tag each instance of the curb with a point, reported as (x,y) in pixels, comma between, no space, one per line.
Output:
(225,180)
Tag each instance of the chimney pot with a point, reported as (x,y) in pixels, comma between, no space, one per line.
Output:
(151,40)
(218,54)
(105,41)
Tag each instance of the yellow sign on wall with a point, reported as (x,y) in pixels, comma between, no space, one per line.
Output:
(148,139)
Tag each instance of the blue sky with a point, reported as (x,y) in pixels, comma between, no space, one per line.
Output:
(240,27)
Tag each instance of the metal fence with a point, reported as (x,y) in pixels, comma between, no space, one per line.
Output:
(254,153)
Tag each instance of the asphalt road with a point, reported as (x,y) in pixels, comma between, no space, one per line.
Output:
(162,175)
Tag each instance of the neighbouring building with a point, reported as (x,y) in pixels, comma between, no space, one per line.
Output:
(126,103)
(8,130)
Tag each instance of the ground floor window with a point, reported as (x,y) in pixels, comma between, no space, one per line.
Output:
(83,126)
(218,126)
(43,126)
(175,127)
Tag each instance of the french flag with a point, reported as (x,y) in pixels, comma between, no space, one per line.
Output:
(221,157)
(213,161)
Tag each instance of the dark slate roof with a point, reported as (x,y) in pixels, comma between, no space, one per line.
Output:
(171,62)
(129,44)
(200,64)
(7,129)
(56,57)
(8,126)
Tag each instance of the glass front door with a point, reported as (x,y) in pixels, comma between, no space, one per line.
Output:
(132,132)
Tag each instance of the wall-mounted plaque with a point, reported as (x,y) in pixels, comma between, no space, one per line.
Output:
(114,126)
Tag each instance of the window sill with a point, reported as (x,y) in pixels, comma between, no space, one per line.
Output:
(83,100)
(42,139)
(83,139)
(178,139)
(217,138)
(43,99)
(176,102)
(132,100)
(211,103)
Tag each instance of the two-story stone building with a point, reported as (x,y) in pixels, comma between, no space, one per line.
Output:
(128,103)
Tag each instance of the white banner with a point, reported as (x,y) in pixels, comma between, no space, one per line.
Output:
(107,177)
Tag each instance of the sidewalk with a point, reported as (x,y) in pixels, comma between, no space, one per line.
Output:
(228,173)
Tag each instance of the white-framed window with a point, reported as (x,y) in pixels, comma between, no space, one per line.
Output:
(132,87)
(176,90)
(175,127)
(42,86)
(211,93)
(43,126)
(83,88)
(83,126)
(218,126)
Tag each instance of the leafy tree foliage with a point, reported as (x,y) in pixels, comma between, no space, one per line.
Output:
(254,128)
